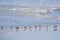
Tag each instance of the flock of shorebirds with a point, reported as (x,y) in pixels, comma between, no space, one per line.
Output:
(30,28)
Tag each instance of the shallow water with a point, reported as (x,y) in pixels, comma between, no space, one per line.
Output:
(8,18)
(43,34)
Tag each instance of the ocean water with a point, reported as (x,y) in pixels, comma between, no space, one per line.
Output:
(12,18)
(26,13)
